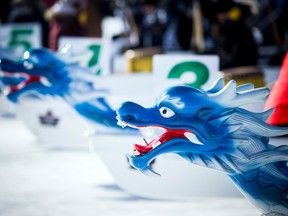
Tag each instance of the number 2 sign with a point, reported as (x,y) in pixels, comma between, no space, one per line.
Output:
(199,71)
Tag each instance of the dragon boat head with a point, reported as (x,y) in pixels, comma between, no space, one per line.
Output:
(42,72)
(35,61)
(193,121)
(38,69)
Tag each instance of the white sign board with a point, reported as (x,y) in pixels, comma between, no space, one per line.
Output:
(128,87)
(199,71)
(87,52)
(20,36)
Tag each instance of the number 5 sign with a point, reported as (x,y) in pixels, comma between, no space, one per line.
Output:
(199,71)
(20,36)
(87,52)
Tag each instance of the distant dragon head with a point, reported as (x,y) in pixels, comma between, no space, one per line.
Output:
(42,72)
(204,127)
(39,69)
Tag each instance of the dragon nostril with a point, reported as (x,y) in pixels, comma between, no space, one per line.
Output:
(130,117)
(129,111)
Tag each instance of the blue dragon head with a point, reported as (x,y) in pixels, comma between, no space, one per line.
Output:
(210,129)
(194,121)
(42,72)
(36,61)
(39,70)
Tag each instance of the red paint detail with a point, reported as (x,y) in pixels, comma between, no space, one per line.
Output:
(28,79)
(278,97)
(142,149)
(168,135)
(171,134)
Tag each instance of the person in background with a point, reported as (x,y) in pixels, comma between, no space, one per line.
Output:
(235,43)
(180,20)
(272,23)
(48,3)
(4,10)
(147,20)
(27,11)
(63,20)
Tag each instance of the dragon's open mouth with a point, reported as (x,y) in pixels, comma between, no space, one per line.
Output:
(169,134)
(27,79)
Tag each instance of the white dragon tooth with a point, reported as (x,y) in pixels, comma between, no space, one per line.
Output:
(16,75)
(6,90)
(45,82)
(21,85)
(154,145)
(135,152)
(193,138)
(121,123)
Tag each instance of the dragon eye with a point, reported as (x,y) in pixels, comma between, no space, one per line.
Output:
(166,112)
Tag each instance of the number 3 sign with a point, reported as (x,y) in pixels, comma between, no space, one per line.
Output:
(199,71)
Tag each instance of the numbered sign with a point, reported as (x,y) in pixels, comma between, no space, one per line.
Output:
(20,37)
(87,52)
(199,71)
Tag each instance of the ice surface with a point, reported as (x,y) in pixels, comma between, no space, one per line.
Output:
(37,181)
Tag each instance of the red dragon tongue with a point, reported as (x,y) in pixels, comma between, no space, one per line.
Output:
(142,149)
(33,78)
(170,134)
(29,79)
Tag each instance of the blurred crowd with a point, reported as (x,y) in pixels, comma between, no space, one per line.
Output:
(236,30)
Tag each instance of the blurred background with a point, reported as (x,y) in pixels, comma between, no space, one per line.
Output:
(249,37)
(241,32)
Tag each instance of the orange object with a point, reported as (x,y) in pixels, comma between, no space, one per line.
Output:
(278,97)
